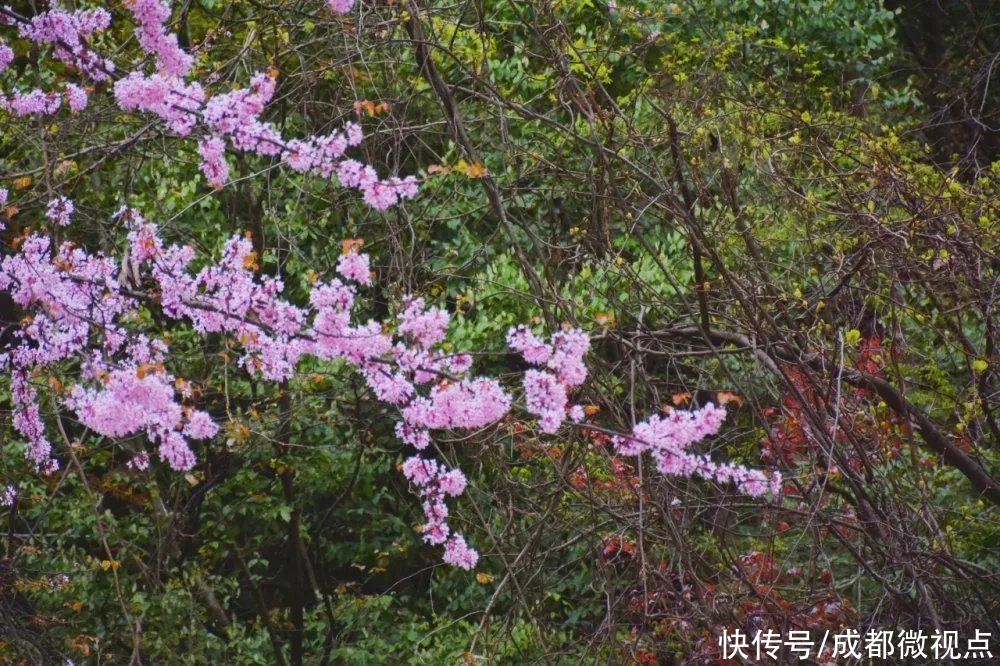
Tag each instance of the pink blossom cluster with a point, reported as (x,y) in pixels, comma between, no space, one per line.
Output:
(668,439)
(33,103)
(435,482)
(321,155)
(458,554)
(354,265)
(225,298)
(139,462)
(383,194)
(67,32)
(28,421)
(60,211)
(8,495)
(236,116)
(151,16)
(129,400)
(80,309)
(213,161)
(546,391)
(68,294)
(426,326)
(6,55)
(340,6)
(466,404)
(393,370)
(73,295)
(76,97)
(176,103)
(233,117)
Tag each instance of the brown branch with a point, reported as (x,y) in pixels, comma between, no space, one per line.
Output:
(457,128)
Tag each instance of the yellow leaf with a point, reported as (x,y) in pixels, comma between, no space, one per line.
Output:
(363,105)
(250,262)
(351,244)
(605,318)
(726,397)
(484,578)
(474,170)
(147,369)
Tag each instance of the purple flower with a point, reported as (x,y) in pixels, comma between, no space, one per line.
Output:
(60,210)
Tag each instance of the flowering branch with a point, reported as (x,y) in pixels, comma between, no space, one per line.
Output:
(184,104)
(80,309)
